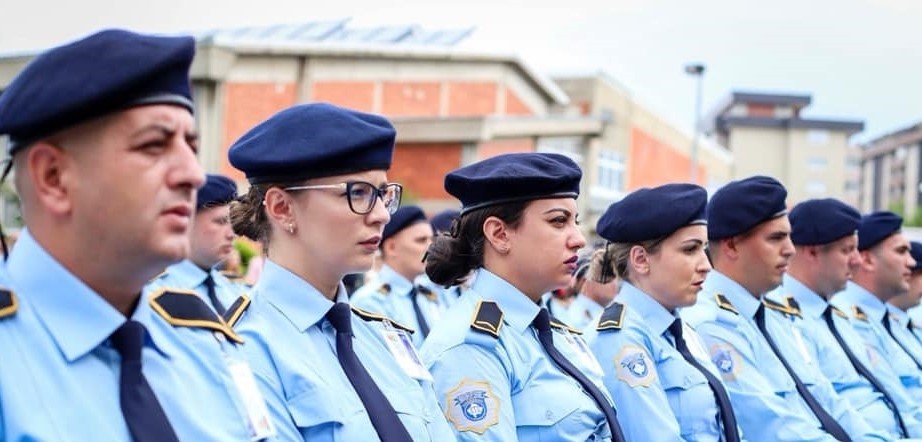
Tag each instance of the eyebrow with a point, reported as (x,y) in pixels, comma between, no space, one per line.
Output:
(557,209)
(166,131)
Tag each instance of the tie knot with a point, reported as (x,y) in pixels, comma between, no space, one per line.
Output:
(128,340)
(340,316)
(542,322)
(209,280)
(413,292)
(676,328)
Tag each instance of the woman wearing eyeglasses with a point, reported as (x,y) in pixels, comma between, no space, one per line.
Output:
(504,369)
(656,367)
(318,201)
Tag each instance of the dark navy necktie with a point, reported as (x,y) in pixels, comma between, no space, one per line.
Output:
(213,296)
(142,412)
(727,417)
(886,322)
(420,319)
(382,415)
(828,422)
(542,324)
(863,371)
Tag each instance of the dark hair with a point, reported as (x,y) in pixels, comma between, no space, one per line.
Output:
(247,215)
(452,255)
(616,257)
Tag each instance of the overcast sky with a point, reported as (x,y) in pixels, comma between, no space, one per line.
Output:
(860,59)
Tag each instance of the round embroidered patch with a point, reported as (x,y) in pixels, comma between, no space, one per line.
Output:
(472,406)
(634,367)
(726,359)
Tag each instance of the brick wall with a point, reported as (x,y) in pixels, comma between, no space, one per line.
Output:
(246,105)
(422,167)
(653,162)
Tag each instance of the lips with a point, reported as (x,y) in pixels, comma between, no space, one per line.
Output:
(373,241)
(183,210)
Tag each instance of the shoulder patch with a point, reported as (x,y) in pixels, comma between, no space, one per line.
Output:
(612,317)
(371,316)
(859,314)
(236,310)
(472,406)
(8,303)
(779,307)
(635,367)
(184,308)
(839,312)
(724,303)
(385,289)
(727,360)
(488,318)
(560,325)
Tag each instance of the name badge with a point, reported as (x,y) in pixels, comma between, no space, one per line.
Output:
(259,424)
(401,347)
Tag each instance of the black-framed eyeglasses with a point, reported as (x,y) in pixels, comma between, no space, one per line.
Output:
(362,195)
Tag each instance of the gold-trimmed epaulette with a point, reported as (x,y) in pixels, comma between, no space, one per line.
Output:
(235,311)
(385,289)
(428,293)
(371,316)
(488,318)
(838,312)
(725,304)
(8,303)
(792,304)
(560,325)
(185,308)
(779,307)
(859,314)
(612,317)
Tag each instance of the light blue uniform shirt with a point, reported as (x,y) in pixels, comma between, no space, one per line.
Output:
(767,404)
(671,400)
(389,295)
(584,313)
(59,380)
(825,350)
(899,325)
(292,349)
(877,340)
(518,391)
(186,275)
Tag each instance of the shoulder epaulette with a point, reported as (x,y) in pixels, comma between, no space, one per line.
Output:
(724,303)
(427,292)
(184,308)
(859,314)
(839,312)
(777,306)
(235,311)
(560,325)
(370,316)
(488,318)
(8,303)
(612,317)
(385,289)
(793,304)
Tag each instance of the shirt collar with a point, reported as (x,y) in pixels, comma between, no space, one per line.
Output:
(77,318)
(399,285)
(900,316)
(811,304)
(186,270)
(518,310)
(294,298)
(655,316)
(744,302)
(873,307)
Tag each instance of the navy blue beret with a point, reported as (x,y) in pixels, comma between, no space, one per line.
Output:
(741,205)
(822,221)
(876,227)
(651,213)
(103,73)
(218,190)
(404,217)
(313,141)
(915,250)
(441,222)
(514,177)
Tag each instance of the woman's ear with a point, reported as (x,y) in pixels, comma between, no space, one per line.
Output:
(639,260)
(496,234)
(279,208)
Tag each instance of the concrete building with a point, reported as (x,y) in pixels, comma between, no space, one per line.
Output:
(767,135)
(890,173)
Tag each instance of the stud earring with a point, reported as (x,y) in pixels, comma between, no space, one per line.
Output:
(291,229)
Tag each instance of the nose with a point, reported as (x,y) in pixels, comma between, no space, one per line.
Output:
(379,214)
(704,264)
(577,241)
(186,171)
(788,250)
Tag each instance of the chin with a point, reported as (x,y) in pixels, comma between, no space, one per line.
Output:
(361,264)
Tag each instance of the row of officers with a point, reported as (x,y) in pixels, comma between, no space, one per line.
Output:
(735,319)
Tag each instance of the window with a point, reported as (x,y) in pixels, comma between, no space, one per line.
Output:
(818,137)
(610,169)
(817,164)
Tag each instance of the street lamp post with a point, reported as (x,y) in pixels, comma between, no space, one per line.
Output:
(696,70)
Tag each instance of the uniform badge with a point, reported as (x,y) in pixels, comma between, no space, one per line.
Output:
(727,361)
(472,406)
(634,366)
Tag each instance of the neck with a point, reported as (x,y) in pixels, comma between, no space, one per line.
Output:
(504,269)
(740,277)
(406,274)
(312,271)
(803,276)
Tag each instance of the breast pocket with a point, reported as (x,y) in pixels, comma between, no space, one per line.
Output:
(690,397)
(543,413)
(319,415)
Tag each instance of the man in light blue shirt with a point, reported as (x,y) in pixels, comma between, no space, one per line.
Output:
(400,290)
(103,143)
(750,246)
(904,328)
(824,234)
(212,241)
